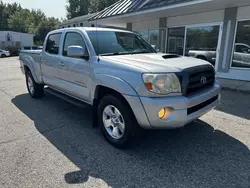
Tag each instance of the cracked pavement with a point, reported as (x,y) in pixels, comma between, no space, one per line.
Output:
(51,143)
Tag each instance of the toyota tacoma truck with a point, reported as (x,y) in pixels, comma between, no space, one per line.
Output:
(128,84)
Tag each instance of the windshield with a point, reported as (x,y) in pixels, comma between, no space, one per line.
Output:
(118,43)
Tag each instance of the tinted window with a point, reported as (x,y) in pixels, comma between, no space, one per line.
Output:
(111,42)
(72,39)
(53,43)
(35,48)
(26,47)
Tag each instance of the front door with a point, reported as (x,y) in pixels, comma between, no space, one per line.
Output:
(50,60)
(74,73)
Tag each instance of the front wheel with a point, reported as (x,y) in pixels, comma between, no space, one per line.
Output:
(35,90)
(116,120)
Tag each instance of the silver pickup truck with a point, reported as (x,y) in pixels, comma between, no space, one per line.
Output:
(126,81)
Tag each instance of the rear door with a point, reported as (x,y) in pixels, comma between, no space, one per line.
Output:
(50,60)
(74,73)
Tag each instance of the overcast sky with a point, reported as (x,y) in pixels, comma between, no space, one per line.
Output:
(54,8)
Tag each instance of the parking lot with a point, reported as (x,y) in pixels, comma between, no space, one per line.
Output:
(51,143)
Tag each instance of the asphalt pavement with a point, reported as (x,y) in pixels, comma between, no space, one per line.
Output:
(51,143)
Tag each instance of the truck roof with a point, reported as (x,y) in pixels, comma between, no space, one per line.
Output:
(91,29)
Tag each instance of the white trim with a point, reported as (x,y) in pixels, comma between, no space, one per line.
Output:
(204,24)
(235,74)
(185,41)
(156,9)
(226,44)
(232,54)
(218,48)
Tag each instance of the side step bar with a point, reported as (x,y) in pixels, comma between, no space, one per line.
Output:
(67,98)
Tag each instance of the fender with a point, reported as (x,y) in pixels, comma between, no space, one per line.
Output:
(31,64)
(114,83)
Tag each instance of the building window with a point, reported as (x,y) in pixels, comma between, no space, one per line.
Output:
(199,42)
(144,34)
(202,42)
(68,25)
(156,37)
(81,24)
(241,52)
(176,38)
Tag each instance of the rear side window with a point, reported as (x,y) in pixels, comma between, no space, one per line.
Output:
(72,39)
(34,48)
(53,43)
(26,47)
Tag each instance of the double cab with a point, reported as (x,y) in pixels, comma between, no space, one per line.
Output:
(126,81)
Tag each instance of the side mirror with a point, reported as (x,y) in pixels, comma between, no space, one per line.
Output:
(77,52)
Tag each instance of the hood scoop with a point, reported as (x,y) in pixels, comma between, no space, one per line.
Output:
(170,56)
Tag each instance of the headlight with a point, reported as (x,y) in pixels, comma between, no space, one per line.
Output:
(162,83)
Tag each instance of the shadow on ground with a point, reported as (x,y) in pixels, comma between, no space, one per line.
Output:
(235,103)
(194,156)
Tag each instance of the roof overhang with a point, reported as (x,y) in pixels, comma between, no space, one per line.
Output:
(193,7)
(146,11)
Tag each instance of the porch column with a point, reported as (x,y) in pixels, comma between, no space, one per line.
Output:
(129,26)
(163,33)
(227,39)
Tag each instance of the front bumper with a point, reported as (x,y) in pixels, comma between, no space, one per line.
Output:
(181,105)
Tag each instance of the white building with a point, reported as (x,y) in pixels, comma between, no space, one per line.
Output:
(10,39)
(221,28)
(81,21)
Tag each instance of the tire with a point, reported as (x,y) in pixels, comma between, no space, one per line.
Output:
(3,55)
(37,91)
(130,129)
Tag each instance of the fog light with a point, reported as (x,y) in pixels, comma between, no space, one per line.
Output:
(164,113)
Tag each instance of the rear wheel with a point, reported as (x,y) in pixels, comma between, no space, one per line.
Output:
(3,55)
(35,90)
(116,120)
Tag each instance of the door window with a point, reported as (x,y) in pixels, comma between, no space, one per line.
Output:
(53,43)
(72,39)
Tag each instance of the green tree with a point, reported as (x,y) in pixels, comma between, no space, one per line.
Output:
(98,5)
(82,7)
(6,10)
(77,8)
(19,21)
(43,28)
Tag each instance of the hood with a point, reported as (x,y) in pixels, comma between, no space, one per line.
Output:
(157,62)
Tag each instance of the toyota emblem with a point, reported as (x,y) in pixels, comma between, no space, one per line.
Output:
(203,80)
